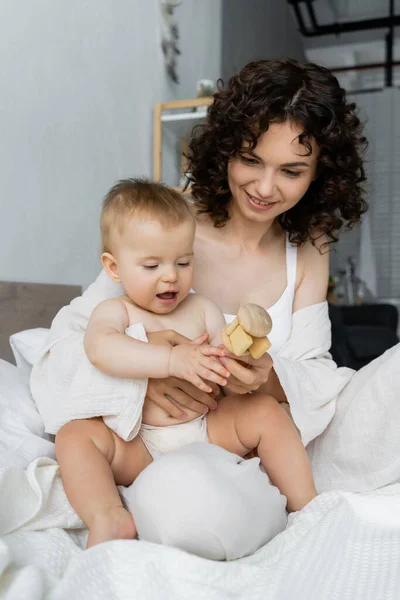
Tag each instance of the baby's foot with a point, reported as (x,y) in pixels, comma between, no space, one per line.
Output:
(112,524)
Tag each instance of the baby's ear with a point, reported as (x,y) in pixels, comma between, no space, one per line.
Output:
(110,266)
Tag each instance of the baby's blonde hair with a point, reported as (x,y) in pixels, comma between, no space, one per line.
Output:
(140,197)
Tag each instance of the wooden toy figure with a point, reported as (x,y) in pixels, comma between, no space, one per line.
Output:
(247,334)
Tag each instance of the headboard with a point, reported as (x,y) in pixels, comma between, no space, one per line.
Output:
(29,305)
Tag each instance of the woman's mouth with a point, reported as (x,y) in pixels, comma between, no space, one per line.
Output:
(259,204)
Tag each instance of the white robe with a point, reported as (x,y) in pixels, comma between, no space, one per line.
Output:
(354,418)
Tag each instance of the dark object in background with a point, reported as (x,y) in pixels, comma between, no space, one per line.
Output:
(362,333)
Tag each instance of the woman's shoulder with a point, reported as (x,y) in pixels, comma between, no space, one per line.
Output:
(315,250)
(313,271)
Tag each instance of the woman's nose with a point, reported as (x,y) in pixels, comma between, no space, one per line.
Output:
(266,185)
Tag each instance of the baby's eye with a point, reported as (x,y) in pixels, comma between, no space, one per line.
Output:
(150,267)
(184,264)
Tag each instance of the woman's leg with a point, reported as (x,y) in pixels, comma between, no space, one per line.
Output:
(207,501)
(257,421)
(92,459)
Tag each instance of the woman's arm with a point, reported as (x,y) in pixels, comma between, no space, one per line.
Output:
(312,289)
(313,268)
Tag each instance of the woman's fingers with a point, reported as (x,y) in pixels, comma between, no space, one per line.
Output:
(211,376)
(199,383)
(176,338)
(166,402)
(213,364)
(236,388)
(193,394)
(265,362)
(242,373)
(212,351)
(176,396)
(182,399)
(200,340)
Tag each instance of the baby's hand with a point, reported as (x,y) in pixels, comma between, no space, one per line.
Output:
(195,363)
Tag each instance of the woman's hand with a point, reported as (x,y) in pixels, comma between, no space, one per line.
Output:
(174,395)
(247,373)
(172,338)
(199,364)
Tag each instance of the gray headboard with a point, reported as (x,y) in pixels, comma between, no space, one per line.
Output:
(29,305)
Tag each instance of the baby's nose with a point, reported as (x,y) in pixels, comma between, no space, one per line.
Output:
(171,275)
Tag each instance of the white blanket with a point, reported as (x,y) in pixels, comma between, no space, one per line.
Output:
(360,449)
(342,545)
(66,386)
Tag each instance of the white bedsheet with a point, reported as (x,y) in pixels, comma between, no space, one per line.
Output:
(342,545)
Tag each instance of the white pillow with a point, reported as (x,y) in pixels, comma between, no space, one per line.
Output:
(22,437)
(27,347)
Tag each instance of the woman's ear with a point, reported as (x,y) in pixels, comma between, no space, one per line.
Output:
(110,266)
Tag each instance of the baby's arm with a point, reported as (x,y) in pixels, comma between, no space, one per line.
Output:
(214,321)
(111,351)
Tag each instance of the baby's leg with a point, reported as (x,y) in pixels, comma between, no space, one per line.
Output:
(242,423)
(93,459)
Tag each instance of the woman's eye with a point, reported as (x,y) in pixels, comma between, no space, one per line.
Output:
(290,173)
(150,267)
(249,160)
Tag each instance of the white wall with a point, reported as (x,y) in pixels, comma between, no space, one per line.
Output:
(257,29)
(78,82)
(380,111)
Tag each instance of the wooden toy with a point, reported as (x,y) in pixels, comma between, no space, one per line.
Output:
(247,334)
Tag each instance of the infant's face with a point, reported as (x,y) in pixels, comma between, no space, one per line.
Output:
(156,264)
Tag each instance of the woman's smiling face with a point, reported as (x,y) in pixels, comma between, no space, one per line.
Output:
(272,178)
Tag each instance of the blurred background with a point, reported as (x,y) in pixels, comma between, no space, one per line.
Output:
(81,81)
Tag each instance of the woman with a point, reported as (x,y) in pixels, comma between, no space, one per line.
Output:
(276,172)
(278,161)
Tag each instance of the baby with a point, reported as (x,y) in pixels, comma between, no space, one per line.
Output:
(147,239)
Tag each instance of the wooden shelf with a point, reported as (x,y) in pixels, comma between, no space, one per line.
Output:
(192,103)
(184,116)
(174,111)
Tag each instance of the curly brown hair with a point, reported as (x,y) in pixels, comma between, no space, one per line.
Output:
(274,91)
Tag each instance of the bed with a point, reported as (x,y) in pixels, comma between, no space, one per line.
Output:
(29,305)
(342,545)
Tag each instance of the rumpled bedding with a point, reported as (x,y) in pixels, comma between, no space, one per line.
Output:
(344,544)
(341,545)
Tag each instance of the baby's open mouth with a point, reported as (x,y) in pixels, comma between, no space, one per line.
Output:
(167,296)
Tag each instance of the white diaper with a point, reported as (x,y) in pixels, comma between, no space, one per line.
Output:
(160,440)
